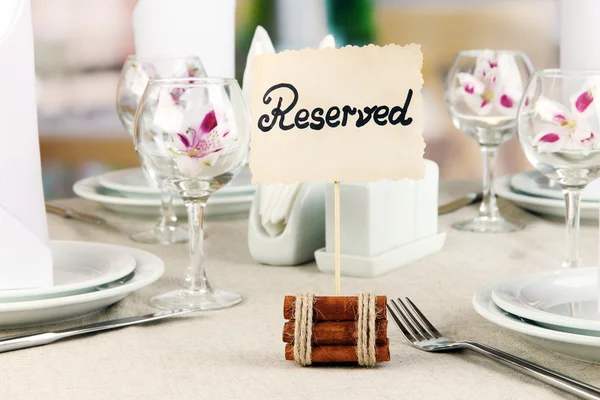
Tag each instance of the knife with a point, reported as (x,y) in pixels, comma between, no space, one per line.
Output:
(69,213)
(42,338)
(459,203)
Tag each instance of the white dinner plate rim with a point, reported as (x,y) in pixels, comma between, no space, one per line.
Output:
(518,283)
(152,270)
(126,266)
(106,180)
(483,300)
(87,188)
(517,183)
(503,189)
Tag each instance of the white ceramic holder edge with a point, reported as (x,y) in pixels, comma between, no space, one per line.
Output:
(369,267)
(303,233)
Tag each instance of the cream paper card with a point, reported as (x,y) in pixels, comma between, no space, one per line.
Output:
(349,114)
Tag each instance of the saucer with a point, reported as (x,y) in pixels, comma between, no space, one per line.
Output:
(78,268)
(542,205)
(534,183)
(90,189)
(563,299)
(133,182)
(580,347)
(148,269)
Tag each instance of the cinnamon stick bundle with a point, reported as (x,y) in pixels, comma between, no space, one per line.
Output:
(339,354)
(336,333)
(334,308)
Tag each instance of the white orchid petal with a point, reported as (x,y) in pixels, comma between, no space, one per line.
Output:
(486,65)
(551,111)
(509,74)
(477,104)
(582,134)
(582,102)
(507,102)
(470,84)
(190,166)
(549,142)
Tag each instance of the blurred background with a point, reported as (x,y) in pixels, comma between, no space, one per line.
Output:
(81,45)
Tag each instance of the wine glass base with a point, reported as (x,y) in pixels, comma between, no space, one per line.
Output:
(488,225)
(165,236)
(201,300)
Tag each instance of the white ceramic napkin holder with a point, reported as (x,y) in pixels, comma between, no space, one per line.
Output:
(303,234)
(383,225)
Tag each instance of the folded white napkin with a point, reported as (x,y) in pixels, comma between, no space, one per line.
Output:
(276,200)
(26,258)
(181,28)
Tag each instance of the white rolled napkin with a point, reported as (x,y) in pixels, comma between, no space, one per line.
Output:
(182,28)
(276,200)
(26,258)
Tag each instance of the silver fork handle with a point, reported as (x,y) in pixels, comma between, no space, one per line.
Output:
(556,379)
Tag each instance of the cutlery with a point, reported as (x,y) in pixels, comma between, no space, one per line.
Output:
(460,203)
(42,338)
(423,335)
(69,213)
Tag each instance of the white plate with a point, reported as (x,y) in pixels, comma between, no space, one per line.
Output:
(581,347)
(78,268)
(48,311)
(133,183)
(566,298)
(90,189)
(540,205)
(535,184)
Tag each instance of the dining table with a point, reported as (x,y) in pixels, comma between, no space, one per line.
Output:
(238,353)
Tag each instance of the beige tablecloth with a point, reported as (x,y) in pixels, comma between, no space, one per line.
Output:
(238,353)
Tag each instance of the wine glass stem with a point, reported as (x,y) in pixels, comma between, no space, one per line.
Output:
(488,207)
(196,275)
(573,200)
(168,219)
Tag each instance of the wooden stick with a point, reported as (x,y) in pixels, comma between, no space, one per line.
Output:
(334,308)
(342,333)
(336,235)
(339,354)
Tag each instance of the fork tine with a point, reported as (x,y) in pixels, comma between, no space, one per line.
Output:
(407,324)
(425,321)
(400,325)
(422,331)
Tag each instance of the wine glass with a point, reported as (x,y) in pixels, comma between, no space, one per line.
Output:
(135,75)
(483,91)
(558,125)
(197,141)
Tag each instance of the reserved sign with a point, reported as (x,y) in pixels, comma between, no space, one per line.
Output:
(350,114)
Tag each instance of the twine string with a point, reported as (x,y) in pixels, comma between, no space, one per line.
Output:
(303,314)
(366,333)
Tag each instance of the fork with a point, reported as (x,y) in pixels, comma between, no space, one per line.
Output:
(424,336)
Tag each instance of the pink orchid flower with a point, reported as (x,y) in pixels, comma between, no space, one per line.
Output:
(200,147)
(566,130)
(494,85)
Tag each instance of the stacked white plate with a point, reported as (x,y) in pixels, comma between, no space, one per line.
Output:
(88,277)
(559,310)
(534,192)
(127,191)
